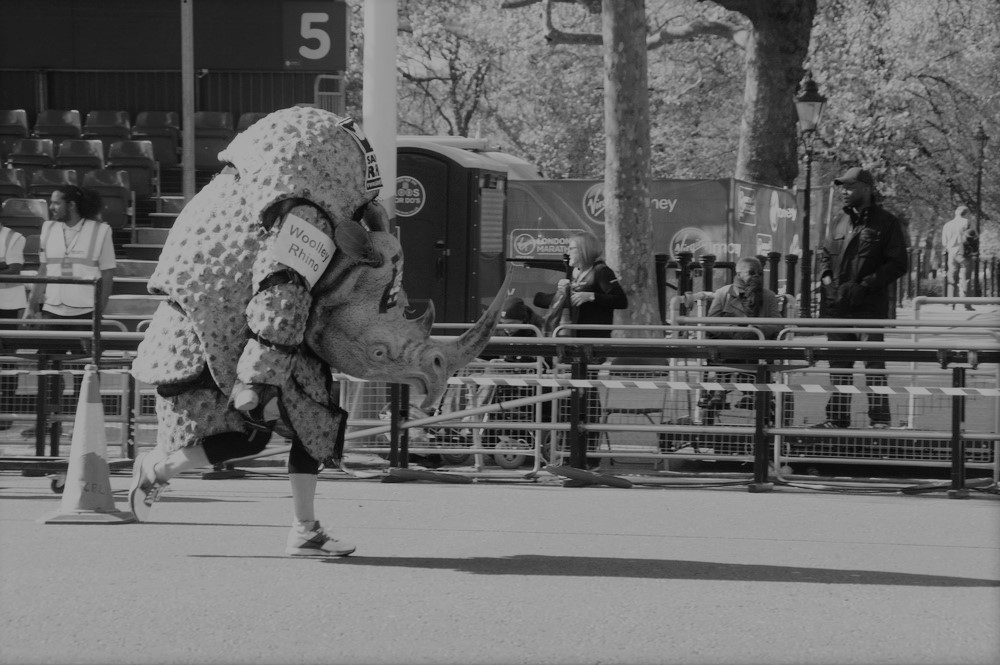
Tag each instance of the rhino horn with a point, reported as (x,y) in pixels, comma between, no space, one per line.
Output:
(471,343)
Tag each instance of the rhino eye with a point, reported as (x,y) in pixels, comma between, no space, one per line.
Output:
(379,352)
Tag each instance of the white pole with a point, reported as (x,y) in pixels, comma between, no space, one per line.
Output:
(187,98)
(379,95)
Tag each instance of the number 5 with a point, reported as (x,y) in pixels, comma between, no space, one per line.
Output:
(307,31)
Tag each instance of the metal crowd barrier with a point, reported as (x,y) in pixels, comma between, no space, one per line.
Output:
(641,411)
(647,422)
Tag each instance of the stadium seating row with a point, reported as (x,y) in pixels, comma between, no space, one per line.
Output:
(36,155)
(213,131)
(114,186)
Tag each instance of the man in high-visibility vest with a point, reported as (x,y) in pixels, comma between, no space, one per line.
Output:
(73,243)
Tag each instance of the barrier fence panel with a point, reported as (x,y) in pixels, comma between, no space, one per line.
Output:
(475,422)
(668,401)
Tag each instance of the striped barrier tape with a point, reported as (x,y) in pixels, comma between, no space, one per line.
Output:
(527,382)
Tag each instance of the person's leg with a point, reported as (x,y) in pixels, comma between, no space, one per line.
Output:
(954,274)
(307,537)
(965,280)
(838,406)
(152,471)
(878,404)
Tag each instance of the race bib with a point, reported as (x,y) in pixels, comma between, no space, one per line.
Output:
(303,248)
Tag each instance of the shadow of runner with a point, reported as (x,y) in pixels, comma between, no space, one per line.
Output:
(570,566)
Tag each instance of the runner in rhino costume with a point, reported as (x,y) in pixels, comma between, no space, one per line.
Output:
(278,271)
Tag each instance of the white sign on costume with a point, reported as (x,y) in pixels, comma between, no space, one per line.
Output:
(303,248)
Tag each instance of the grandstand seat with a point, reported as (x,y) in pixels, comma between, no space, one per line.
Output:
(58,124)
(163,130)
(80,154)
(13,184)
(247,119)
(32,154)
(118,208)
(138,158)
(13,126)
(107,127)
(44,181)
(213,131)
(24,215)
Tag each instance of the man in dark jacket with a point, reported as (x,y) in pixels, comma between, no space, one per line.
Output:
(864,254)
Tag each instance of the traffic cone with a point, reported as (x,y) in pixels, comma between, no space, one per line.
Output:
(87,497)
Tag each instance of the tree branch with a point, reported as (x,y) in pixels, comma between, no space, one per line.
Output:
(697,28)
(686,32)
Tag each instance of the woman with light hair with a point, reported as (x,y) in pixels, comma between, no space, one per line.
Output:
(590,295)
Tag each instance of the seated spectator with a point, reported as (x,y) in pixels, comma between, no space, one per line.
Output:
(746,297)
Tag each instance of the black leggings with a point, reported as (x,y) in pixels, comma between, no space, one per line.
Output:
(227,446)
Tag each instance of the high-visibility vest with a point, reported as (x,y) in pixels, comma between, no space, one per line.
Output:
(80,260)
(14,293)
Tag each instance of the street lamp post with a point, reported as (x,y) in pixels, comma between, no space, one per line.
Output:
(809,107)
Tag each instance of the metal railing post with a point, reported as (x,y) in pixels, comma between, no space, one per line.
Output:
(790,261)
(760,443)
(773,259)
(683,280)
(958,489)
(707,262)
(577,416)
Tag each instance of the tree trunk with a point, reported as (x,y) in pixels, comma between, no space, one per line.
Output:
(628,228)
(768,152)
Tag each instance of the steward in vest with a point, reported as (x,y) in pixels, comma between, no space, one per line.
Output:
(72,244)
(13,298)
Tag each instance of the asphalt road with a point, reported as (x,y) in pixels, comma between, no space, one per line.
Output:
(516,572)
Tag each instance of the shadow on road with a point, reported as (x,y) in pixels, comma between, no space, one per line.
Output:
(662,569)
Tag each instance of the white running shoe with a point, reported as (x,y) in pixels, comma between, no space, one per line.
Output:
(316,542)
(143,492)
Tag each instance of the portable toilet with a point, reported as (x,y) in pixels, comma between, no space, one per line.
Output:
(450,206)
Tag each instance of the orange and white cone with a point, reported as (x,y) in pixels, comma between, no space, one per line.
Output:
(87,497)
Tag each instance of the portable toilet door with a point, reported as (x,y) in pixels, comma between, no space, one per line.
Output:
(450,219)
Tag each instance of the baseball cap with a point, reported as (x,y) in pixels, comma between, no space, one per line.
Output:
(853,175)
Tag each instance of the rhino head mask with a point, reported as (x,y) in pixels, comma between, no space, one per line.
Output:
(358,323)
(302,158)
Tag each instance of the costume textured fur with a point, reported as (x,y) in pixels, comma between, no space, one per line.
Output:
(279,271)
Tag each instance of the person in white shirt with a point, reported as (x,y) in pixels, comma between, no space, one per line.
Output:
(13,300)
(953,237)
(13,297)
(73,244)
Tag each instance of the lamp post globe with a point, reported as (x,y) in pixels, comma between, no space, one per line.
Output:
(809,107)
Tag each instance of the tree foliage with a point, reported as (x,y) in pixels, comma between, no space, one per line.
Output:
(908,82)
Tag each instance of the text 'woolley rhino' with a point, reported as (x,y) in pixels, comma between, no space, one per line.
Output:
(280,270)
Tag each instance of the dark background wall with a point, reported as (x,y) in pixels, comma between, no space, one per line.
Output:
(126,54)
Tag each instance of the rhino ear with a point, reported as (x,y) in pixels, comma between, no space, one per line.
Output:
(352,239)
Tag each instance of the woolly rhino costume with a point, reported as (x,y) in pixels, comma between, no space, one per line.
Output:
(279,270)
